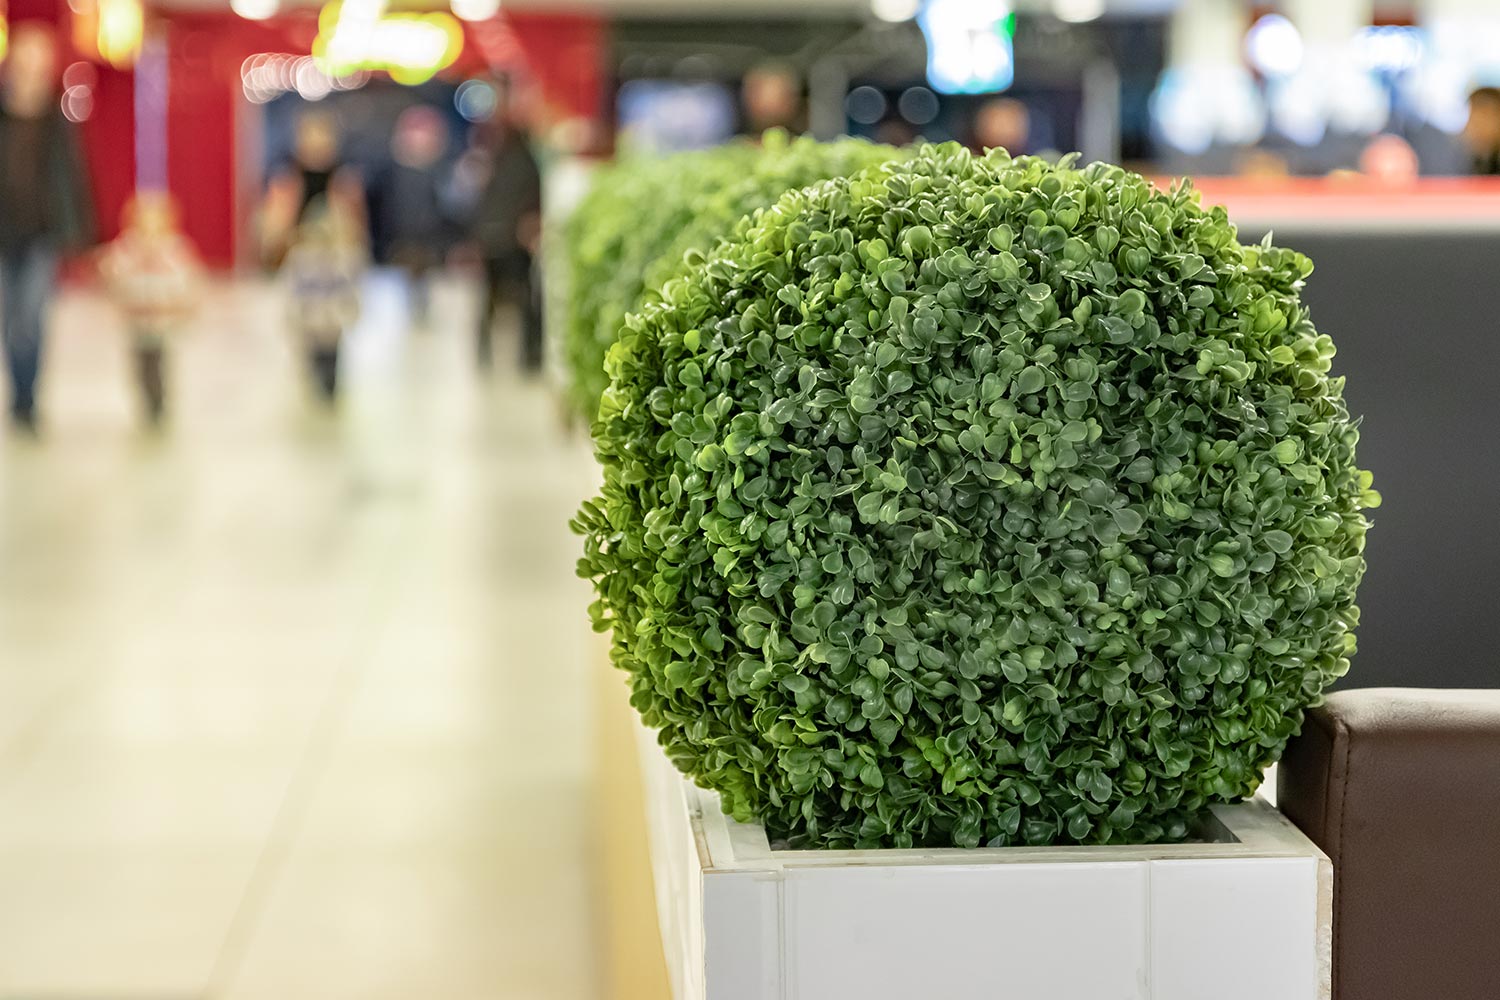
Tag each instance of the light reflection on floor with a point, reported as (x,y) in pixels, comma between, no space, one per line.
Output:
(291,703)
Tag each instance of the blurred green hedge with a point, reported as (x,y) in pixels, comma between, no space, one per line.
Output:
(644,216)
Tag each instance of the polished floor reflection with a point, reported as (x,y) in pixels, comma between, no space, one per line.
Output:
(292,704)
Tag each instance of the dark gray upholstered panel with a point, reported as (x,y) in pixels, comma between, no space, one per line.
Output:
(1416,317)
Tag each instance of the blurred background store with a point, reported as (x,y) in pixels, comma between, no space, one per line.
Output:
(296,688)
(202,98)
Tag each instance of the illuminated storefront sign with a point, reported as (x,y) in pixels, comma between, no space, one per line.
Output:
(970,46)
(109,30)
(358,35)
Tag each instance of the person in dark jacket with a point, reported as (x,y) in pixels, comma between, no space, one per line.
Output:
(507,226)
(45,206)
(414,214)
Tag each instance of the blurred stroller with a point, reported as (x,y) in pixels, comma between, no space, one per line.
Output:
(323,268)
(153,274)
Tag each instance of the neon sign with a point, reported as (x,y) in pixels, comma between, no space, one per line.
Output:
(358,35)
(110,30)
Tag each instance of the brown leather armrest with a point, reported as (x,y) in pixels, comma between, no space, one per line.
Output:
(1401,789)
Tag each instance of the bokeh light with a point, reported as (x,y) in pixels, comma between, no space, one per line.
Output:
(918,105)
(1192,109)
(475,100)
(1078,11)
(254,10)
(1274,46)
(265,76)
(895,10)
(865,105)
(475,10)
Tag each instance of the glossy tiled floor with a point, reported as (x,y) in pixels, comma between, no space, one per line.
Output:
(292,705)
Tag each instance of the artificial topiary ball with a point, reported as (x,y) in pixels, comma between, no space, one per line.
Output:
(978,500)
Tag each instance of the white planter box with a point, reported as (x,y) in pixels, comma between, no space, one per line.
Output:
(1244,917)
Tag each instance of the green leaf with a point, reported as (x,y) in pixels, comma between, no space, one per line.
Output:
(1278,541)
(1030,380)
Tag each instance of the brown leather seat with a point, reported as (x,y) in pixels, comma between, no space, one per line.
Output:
(1401,788)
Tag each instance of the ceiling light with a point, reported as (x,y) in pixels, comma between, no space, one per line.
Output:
(476,10)
(253,10)
(1274,46)
(1078,11)
(895,10)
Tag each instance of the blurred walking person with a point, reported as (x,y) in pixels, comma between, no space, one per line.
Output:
(316,176)
(323,268)
(507,227)
(153,274)
(413,210)
(45,206)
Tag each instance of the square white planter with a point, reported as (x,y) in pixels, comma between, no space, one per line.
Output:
(1243,916)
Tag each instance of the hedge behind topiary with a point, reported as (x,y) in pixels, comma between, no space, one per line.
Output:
(644,216)
(978,500)
(614,234)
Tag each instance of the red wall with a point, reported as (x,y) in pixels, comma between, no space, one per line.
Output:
(564,53)
(35,10)
(200,140)
(109,146)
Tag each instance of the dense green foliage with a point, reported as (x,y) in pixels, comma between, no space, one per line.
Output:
(643,216)
(978,500)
